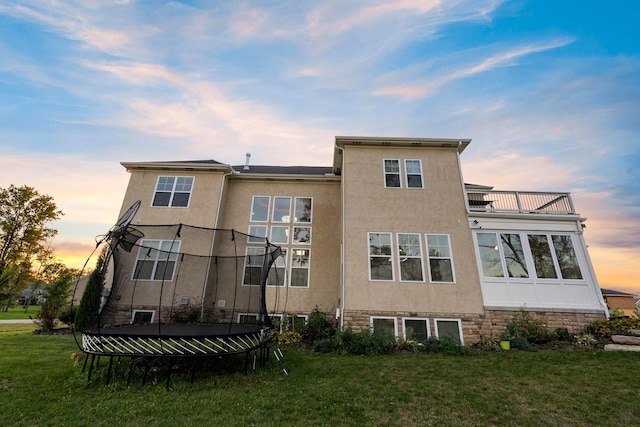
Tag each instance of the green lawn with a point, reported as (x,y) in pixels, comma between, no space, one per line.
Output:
(41,386)
(19,313)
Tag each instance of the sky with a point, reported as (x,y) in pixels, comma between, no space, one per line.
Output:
(548,91)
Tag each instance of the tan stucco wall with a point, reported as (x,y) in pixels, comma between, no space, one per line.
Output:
(203,203)
(437,208)
(324,281)
(202,210)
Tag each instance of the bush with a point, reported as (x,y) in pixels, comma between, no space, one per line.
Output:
(87,313)
(586,340)
(521,343)
(68,315)
(487,344)
(605,328)
(530,328)
(364,342)
(288,338)
(317,327)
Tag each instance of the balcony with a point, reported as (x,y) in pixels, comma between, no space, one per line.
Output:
(520,202)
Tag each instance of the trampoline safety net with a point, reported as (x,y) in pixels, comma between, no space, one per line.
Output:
(180,290)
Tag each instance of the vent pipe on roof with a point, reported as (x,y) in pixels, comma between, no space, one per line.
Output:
(246,165)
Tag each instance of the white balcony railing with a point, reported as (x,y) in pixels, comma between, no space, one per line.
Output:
(525,202)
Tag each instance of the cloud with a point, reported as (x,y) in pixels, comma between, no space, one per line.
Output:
(428,85)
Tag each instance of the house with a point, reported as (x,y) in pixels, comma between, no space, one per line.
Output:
(389,237)
(617,300)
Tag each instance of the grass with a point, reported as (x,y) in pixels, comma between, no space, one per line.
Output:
(19,313)
(40,385)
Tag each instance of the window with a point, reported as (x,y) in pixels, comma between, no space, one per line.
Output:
(276,218)
(279,234)
(380,256)
(142,317)
(542,258)
(156,260)
(277,272)
(302,235)
(253,262)
(248,318)
(449,328)
(552,256)
(257,234)
(281,209)
(303,209)
(260,208)
(300,267)
(566,255)
(276,322)
(392,173)
(410,257)
(416,329)
(413,173)
(295,322)
(440,258)
(173,191)
(514,255)
(384,325)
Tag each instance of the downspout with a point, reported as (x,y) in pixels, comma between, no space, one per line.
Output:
(464,189)
(341,303)
(213,239)
(592,272)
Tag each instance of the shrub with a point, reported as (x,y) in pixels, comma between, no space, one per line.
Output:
(605,328)
(317,327)
(530,328)
(324,345)
(521,343)
(68,315)
(288,338)
(586,340)
(87,314)
(364,342)
(409,346)
(487,344)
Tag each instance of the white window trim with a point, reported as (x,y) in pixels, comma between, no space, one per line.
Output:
(254,315)
(173,191)
(246,264)
(291,267)
(293,234)
(278,316)
(395,323)
(287,233)
(453,267)
(459,321)
(384,172)
(406,174)
(421,257)
(285,270)
(425,319)
(293,208)
(273,210)
(253,198)
(133,315)
(254,238)
(392,256)
(176,244)
(528,255)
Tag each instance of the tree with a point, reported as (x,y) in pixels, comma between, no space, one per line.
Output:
(89,308)
(59,279)
(24,236)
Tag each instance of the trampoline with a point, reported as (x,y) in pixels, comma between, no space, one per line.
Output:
(176,291)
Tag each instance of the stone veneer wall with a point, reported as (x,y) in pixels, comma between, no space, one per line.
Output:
(474,326)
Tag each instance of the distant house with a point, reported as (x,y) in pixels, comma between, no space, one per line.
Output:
(388,237)
(617,300)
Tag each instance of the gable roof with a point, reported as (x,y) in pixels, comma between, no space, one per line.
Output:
(284,170)
(612,292)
